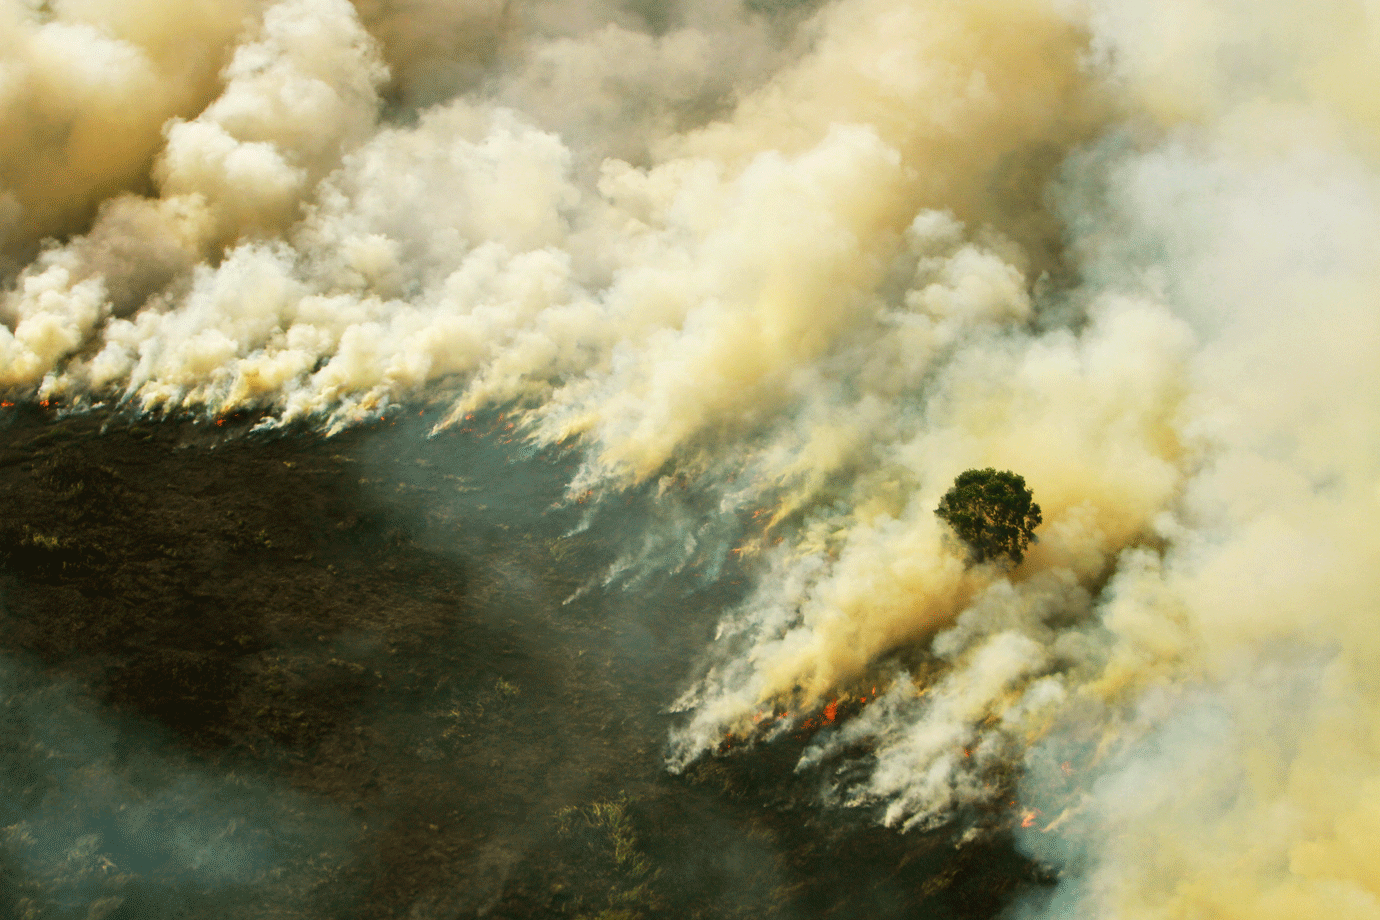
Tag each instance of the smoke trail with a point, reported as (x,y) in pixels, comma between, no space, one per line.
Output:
(822,259)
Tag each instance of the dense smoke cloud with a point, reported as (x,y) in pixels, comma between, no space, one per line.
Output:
(822,258)
(88,88)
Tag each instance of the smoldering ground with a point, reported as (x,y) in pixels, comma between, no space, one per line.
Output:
(779,272)
(281,675)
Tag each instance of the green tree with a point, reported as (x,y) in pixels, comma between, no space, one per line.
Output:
(993,512)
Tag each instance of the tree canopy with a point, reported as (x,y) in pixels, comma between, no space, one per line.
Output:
(993,512)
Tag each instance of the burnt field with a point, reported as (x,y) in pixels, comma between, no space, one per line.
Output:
(378,675)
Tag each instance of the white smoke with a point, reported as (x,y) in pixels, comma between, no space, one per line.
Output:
(823,259)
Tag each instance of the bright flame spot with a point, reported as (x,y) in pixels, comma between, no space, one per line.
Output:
(1028,817)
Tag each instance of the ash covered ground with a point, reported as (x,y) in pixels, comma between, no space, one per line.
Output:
(380,674)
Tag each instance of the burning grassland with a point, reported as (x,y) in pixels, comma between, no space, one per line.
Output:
(348,679)
(752,283)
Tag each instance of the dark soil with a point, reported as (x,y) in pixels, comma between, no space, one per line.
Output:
(275,674)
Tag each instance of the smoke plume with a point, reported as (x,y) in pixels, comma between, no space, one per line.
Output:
(818,258)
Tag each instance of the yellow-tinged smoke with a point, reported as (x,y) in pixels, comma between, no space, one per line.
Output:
(824,257)
(87,88)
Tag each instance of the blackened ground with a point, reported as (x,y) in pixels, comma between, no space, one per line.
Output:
(253,674)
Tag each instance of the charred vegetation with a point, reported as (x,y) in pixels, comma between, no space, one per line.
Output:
(374,645)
